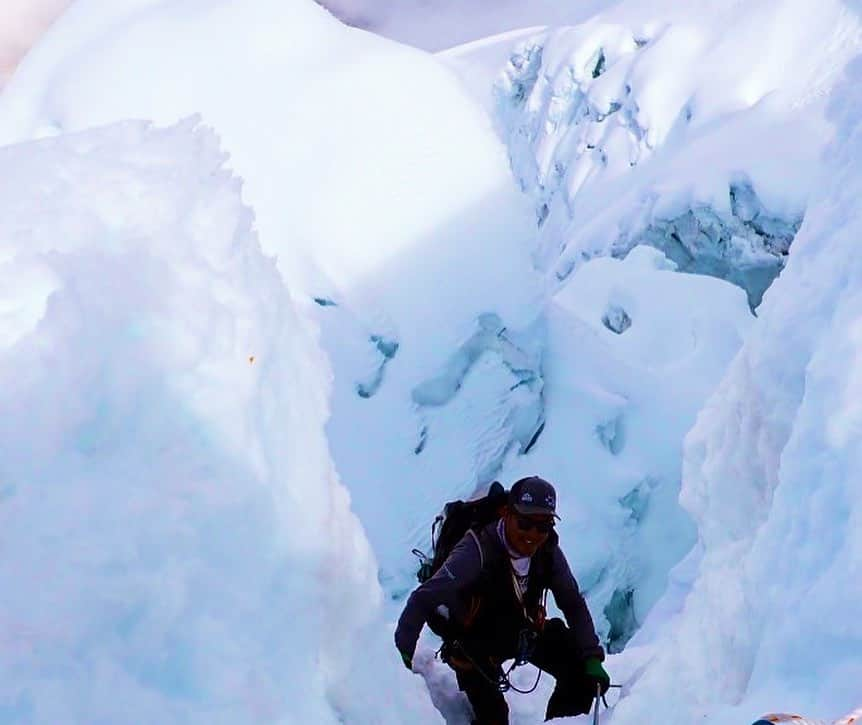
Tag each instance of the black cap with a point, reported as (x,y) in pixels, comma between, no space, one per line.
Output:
(532,496)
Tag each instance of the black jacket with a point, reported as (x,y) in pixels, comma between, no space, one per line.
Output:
(472,596)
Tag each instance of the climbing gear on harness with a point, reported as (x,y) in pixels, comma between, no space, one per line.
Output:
(526,645)
(501,682)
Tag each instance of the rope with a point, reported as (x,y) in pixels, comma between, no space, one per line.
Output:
(522,692)
(502,682)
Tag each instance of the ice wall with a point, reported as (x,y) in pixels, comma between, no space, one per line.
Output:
(772,476)
(175,545)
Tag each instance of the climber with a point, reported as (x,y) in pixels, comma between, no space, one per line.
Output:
(487,603)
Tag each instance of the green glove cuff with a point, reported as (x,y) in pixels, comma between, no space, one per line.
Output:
(407,660)
(593,668)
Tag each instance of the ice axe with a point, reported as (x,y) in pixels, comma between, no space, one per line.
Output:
(598,702)
(601,698)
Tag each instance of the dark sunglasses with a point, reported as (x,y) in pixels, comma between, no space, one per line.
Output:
(525,523)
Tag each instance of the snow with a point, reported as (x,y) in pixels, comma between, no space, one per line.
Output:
(771,476)
(166,481)
(429,195)
(437,25)
(22,22)
(440,193)
(627,133)
(398,319)
(426,198)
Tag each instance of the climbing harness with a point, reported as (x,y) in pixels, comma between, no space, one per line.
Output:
(503,682)
(526,642)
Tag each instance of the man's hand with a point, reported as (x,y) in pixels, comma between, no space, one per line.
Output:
(407,660)
(595,672)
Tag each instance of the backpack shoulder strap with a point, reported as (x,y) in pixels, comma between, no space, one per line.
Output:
(475,537)
(490,549)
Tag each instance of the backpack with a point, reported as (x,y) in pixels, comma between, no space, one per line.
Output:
(457,518)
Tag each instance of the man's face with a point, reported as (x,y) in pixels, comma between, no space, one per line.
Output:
(526,534)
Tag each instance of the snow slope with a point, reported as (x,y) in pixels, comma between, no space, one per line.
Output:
(165,476)
(344,184)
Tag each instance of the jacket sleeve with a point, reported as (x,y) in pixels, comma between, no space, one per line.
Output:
(441,593)
(574,607)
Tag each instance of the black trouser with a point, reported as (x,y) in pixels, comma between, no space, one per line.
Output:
(554,653)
